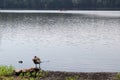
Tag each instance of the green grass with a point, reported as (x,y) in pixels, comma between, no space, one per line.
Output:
(6,73)
(6,70)
(16,78)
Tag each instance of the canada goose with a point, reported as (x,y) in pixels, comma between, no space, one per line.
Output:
(20,62)
(36,61)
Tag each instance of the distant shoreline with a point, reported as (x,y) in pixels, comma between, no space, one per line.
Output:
(54,11)
(84,12)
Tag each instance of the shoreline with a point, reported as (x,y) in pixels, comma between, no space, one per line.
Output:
(59,75)
(9,73)
(62,75)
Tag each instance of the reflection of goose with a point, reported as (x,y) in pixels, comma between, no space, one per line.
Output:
(36,61)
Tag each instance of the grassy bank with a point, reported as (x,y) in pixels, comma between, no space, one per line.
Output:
(6,70)
(8,73)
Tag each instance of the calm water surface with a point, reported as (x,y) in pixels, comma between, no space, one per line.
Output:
(83,42)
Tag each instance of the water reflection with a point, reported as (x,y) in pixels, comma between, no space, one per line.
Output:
(78,42)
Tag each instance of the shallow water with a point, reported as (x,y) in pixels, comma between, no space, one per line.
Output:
(82,42)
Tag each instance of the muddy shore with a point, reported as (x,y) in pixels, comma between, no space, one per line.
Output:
(52,75)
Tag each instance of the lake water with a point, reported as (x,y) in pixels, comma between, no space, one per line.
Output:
(75,41)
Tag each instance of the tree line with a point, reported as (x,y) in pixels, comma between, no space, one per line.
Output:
(61,4)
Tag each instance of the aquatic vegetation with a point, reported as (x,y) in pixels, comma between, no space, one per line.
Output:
(6,70)
(118,76)
(39,74)
(72,78)
(33,75)
(42,74)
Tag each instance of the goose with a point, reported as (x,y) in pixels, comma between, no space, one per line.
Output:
(36,60)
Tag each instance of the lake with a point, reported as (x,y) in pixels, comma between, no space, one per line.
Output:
(73,41)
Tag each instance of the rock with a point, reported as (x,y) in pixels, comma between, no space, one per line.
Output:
(18,72)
